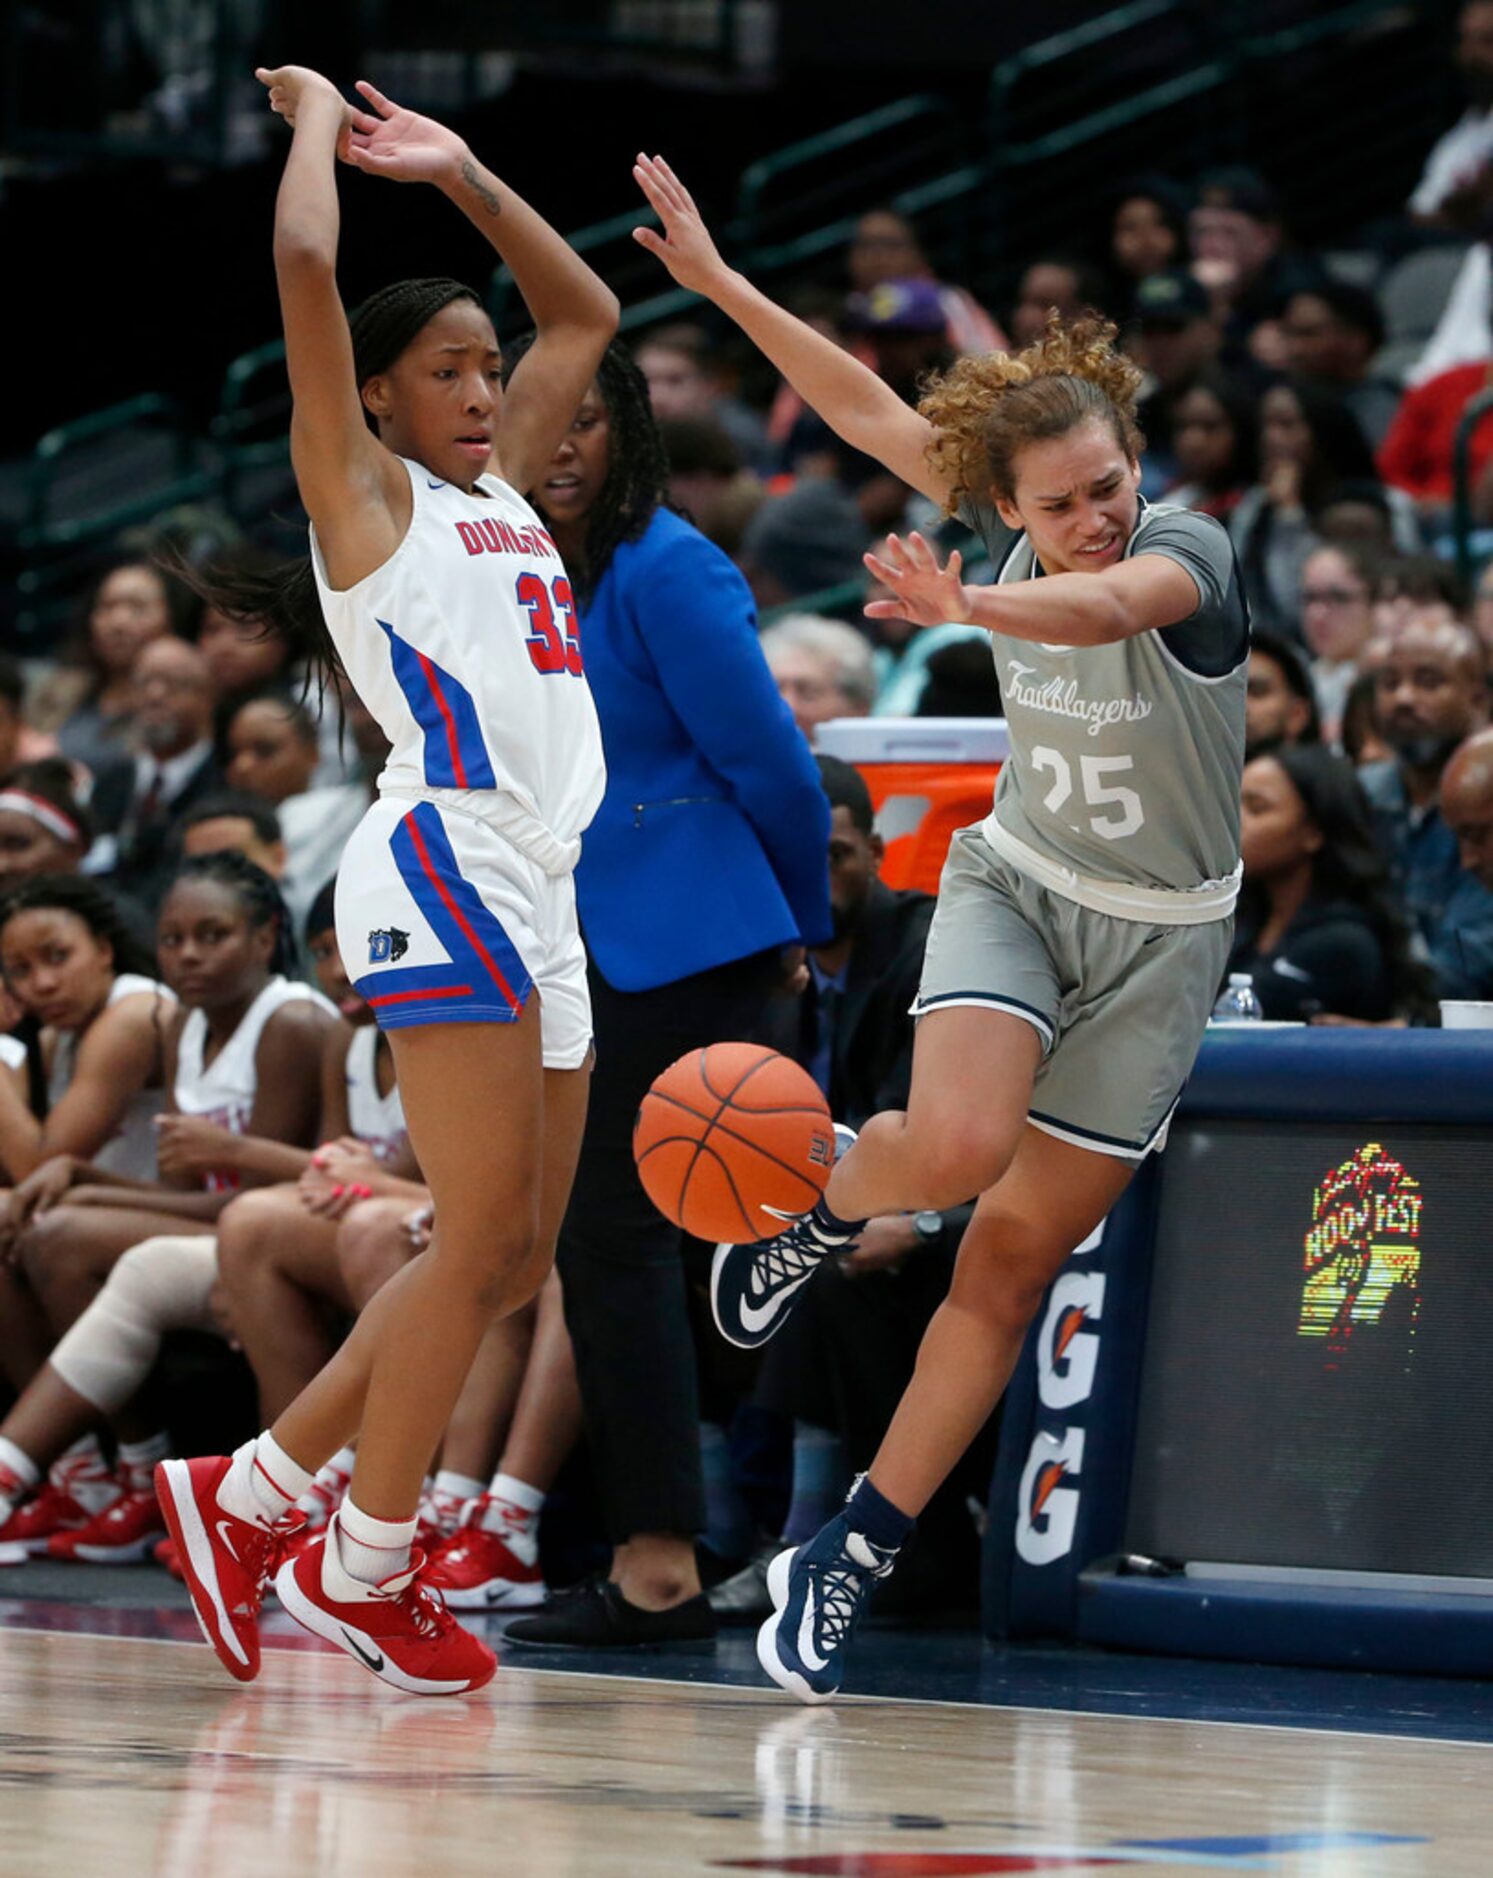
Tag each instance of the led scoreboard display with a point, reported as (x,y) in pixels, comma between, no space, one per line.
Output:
(1255,1414)
(1318,1378)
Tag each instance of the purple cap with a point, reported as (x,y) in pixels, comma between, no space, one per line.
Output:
(897,306)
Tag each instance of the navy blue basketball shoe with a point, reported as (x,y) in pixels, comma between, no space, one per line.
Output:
(819,1593)
(753,1287)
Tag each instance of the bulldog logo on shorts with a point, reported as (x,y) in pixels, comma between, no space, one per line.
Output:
(387,946)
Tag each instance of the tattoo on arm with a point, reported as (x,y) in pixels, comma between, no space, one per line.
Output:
(487,197)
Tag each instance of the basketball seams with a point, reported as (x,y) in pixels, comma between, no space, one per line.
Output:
(713,1143)
(732,1134)
(730,1178)
(767,1056)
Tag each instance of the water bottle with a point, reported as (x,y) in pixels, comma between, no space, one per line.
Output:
(1238,1003)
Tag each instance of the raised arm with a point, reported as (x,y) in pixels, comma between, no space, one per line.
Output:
(851,399)
(354,491)
(574,311)
(1135,596)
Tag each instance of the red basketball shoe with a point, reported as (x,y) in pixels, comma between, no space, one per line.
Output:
(475,1570)
(125,1533)
(225,1561)
(30,1526)
(400,1629)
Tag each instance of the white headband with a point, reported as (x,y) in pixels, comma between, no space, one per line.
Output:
(19,802)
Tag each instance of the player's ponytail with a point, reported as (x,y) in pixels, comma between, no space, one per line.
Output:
(283,599)
(985,410)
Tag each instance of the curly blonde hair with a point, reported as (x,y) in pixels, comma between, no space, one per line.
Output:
(984,410)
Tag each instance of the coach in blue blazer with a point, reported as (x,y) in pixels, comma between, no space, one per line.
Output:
(707,857)
(710,842)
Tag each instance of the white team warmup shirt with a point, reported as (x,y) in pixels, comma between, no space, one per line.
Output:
(132,1148)
(223,1091)
(377,1120)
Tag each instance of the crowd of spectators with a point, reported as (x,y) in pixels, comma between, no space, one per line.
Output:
(167,733)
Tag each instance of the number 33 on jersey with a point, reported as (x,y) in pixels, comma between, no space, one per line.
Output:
(465,647)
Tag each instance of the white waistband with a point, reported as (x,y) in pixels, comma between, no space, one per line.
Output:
(502,811)
(1157,906)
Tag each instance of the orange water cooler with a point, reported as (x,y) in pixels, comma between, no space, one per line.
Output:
(928,776)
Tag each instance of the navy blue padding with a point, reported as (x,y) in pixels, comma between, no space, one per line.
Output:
(1322,1074)
(1019,1599)
(1415,1632)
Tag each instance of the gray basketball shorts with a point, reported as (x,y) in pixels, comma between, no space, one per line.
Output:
(1120,1005)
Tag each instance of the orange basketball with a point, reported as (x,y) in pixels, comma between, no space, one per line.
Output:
(727,1132)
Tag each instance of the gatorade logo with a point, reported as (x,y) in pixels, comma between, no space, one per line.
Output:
(1067,1350)
(1049,1507)
(1067,1353)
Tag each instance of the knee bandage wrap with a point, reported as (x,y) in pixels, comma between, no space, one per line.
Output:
(159,1285)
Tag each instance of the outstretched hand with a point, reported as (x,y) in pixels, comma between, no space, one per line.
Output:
(685,246)
(401,144)
(927,594)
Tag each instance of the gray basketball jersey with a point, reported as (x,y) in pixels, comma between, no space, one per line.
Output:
(1125,759)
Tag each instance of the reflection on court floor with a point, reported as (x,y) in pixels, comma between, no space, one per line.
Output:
(133,1754)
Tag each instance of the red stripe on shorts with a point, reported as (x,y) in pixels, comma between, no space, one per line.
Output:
(423,854)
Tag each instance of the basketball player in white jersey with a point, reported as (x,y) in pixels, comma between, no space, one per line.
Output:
(448,608)
(1082,928)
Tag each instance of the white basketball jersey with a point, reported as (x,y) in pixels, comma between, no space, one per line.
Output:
(465,648)
(132,1148)
(223,1091)
(377,1120)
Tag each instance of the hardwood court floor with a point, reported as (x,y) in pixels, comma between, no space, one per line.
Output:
(127,1755)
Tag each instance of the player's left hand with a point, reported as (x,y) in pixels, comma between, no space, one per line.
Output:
(401,144)
(187,1147)
(927,594)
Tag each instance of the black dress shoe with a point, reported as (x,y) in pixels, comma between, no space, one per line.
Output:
(596,1616)
(743,1598)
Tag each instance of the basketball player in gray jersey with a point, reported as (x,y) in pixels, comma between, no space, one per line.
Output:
(1082,928)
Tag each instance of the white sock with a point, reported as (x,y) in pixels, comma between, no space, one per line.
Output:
(372,1550)
(137,1459)
(333,1478)
(451,1493)
(84,1457)
(512,1511)
(18,1475)
(263,1483)
(82,1472)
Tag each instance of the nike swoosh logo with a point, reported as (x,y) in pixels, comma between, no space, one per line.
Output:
(373,1662)
(808,1655)
(755,1318)
(224,1531)
(430,485)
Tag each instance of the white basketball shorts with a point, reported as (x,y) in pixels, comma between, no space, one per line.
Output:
(440,920)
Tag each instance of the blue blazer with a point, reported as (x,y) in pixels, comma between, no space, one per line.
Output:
(712,840)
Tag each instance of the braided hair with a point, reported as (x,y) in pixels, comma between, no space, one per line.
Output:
(283,599)
(637,465)
(105,918)
(86,900)
(257,894)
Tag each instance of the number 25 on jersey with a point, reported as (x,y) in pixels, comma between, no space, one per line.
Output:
(551,647)
(1124,814)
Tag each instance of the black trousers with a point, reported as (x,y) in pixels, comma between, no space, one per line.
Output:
(620,1261)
